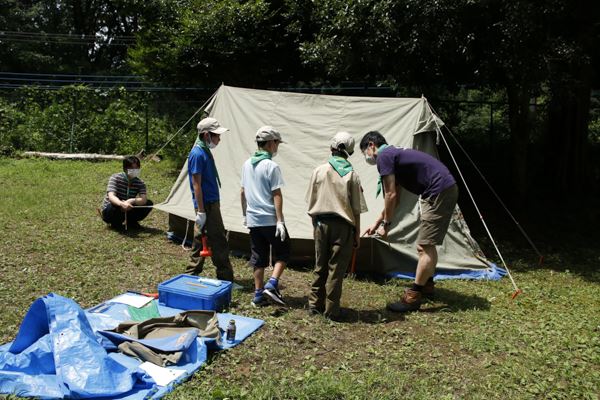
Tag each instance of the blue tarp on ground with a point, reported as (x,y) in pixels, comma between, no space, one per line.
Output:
(59,354)
(493,273)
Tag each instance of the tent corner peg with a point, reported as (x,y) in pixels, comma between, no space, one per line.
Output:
(516,293)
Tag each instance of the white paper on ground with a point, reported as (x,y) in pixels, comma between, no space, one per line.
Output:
(161,375)
(131,299)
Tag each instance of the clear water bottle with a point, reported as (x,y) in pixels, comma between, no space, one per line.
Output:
(230,336)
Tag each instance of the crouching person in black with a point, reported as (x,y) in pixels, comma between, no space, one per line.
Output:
(125,193)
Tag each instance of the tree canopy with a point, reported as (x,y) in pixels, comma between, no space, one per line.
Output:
(523,49)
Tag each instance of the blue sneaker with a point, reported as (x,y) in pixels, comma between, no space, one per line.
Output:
(259,301)
(273,293)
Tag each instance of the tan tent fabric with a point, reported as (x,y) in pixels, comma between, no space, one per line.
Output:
(307,122)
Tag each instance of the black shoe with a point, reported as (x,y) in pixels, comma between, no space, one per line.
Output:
(341,316)
(118,227)
(134,226)
(315,311)
(274,294)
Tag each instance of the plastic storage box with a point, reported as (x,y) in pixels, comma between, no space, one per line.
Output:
(186,292)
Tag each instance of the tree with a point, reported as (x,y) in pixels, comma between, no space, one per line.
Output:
(71,36)
(572,60)
(208,42)
(522,48)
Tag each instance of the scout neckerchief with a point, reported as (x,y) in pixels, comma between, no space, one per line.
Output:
(129,184)
(203,146)
(341,165)
(379,183)
(260,155)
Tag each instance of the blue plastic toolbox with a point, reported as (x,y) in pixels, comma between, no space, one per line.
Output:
(187,292)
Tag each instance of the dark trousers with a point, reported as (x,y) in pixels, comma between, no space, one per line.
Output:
(334,238)
(217,241)
(115,215)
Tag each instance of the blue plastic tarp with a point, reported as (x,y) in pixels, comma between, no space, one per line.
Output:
(56,355)
(59,353)
(493,273)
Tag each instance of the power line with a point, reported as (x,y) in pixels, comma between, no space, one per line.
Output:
(71,37)
(68,35)
(84,43)
(70,75)
(68,39)
(16,80)
(70,80)
(15,86)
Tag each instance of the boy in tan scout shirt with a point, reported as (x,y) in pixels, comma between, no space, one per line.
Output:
(335,202)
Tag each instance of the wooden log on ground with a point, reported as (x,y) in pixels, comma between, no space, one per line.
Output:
(73,156)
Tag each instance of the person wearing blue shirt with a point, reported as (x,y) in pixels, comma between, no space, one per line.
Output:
(204,185)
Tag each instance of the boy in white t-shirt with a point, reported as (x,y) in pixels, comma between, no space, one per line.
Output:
(262,206)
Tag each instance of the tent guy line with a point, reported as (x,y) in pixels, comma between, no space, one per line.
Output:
(517,290)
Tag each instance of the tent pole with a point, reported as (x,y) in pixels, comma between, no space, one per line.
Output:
(517,290)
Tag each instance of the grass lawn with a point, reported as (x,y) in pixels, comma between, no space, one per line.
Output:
(473,342)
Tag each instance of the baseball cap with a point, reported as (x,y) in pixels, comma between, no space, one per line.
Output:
(345,139)
(266,133)
(211,125)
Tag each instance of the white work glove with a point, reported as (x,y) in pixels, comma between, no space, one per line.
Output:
(244,223)
(200,220)
(280,231)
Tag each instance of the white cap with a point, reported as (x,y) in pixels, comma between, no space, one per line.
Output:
(266,133)
(343,138)
(211,125)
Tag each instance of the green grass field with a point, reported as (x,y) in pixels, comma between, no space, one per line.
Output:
(473,342)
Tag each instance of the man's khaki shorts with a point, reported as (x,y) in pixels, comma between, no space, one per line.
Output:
(436,212)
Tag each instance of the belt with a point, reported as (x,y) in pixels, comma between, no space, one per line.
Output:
(330,216)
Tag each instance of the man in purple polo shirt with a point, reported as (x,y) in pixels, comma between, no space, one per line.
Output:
(423,175)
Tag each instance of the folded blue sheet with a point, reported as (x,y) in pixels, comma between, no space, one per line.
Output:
(58,353)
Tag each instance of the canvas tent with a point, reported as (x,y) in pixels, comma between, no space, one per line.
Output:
(307,122)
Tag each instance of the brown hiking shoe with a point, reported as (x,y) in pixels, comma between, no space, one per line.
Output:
(429,290)
(410,301)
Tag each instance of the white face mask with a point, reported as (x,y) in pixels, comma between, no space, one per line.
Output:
(133,173)
(210,143)
(370,159)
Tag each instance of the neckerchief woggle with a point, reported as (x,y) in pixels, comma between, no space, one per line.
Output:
(260,155)
(341,165)
(203,146)
(379,183)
